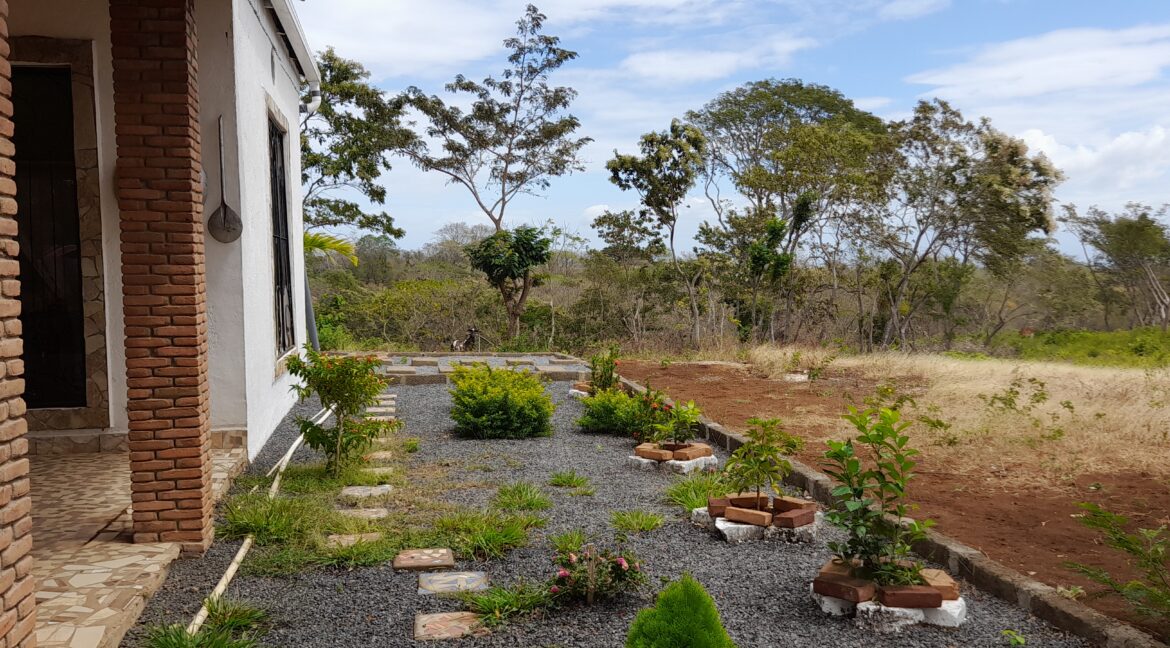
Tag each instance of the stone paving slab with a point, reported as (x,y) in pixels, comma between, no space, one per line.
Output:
(451,582)
(365,513)
(446,625)
(381,455)
(381,409)
(381,471)
(424,559)
(359,493)
(339,540)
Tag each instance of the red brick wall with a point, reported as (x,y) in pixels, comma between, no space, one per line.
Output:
(17,585)
(156,107)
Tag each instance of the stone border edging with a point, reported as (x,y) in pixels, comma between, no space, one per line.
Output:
(969,563)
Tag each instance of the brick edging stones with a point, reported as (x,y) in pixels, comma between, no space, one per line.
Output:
(968,563)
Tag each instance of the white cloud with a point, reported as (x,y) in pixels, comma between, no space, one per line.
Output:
(872,103)
(698,65)
(910,9)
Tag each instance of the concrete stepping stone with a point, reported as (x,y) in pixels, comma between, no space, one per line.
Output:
(382,419)
(451,582)
(381,410)
(424,362)
(424,559)
(381,471)
(365,513)
(446,625)
(339,540)
(359,493)
(381,455)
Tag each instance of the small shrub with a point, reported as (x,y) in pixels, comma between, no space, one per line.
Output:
(521,496)
(609,412)
(346,385)
(569,541)
(679,424)
(603,370)
(635,521)
(410,445)
(1148,551)
(691,492)
(568,479)
(498,604)
(760,462)
(499,404)
(593,574)
(684,616)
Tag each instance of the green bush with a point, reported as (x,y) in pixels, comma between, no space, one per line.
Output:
(684,617)
(603,370)
(608,412)
(500,404)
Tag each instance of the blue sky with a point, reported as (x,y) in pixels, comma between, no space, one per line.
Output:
(1086,82)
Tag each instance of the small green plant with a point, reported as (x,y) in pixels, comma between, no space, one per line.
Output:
(229,624)
(609,412)
(496,605)
(271,521)
(233,615)
(680,424)
(1071,592)
(684,616)
(584,491)
(635,521)
(492,403)
(484,536)
(176,636)
(592,574)
(1014,638)
(650,411)
(410,445)
(603,370)
(521,496)
(760,462)
(871,505)
(1149,553)
(568,479)
(569,541)
(346,385)
(691,492)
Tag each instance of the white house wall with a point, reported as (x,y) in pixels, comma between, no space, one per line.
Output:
(268,81)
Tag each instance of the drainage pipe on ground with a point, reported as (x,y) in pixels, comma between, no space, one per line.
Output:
(234,566)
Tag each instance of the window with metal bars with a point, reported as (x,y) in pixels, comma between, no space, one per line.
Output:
(281,261)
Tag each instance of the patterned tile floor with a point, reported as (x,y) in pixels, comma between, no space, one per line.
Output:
(93,581)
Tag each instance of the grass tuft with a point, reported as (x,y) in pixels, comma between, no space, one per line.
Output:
(635,521)
(484,536)
(568,479)
(691,492)
(233,616)
(498,604)
(585,491)
(521,496)
(272,521)
(569,541)
(313,479)
(410,445)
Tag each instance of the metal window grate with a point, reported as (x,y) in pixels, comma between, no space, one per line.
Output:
(282,265)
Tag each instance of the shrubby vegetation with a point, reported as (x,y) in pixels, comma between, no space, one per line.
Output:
(684,616)
(492,403)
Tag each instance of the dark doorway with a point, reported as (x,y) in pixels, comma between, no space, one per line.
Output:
(50,250)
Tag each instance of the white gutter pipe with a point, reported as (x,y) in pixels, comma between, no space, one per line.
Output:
(300,46)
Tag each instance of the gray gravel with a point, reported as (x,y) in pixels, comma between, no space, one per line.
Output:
(761,589)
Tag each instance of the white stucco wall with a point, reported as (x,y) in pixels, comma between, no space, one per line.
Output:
(244,73)
(268,81)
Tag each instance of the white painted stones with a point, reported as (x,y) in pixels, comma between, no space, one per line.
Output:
(686,467)
(577,393)
(365,513)
(354,494)
(338,540)
(641,463)
(451,582)
(702,519)
(737,533)
(952,614)
(832,605)
(875,617)
(806,533)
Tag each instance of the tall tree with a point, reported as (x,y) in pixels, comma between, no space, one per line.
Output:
(515,137)
(346,146)
(509,258)
(670,162)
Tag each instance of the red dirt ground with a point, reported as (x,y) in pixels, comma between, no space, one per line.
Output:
(1033,532)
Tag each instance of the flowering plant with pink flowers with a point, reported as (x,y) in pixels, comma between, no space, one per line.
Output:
(590,574)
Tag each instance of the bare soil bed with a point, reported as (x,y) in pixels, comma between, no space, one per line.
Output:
(1032,530)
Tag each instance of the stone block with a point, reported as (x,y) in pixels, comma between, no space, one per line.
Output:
(424,362)
(701,518)
(687,467)
(795,518)
(337,541)
(875,617)
(640,463)
(424,559)
(785,503)
(951,614)
(451,582)
(910,596)
(653,452)
(577,393)
(854,590)
(694,451)
(832,605)
(749,500)
(355,494)
(736,533)
(942,581)
(365,513)
(717,505)
(748,516)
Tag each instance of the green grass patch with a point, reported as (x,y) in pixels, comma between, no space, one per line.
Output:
(584,491)
(410,444)
(521,496)
(569,541)
(278,520)
(1139,348)
(484,536)
(313,479)
(568,479)
(635,521)
(691,492)
(498,604)
(229,624)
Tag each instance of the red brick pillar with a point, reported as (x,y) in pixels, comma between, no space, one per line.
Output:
(156,109)
(17,585)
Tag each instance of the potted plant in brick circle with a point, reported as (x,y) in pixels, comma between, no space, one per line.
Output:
(671,443)
(753,468)
(873,573)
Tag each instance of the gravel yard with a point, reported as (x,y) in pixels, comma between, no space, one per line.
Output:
(761,589)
